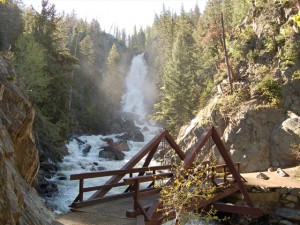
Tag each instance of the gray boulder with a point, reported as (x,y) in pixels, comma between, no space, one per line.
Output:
(111,154)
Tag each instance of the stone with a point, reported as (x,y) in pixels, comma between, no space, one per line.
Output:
(138,136)
(122,146)
(107,154)
(262,176)
(145,128)
(281,173)
(291,198)
(100,168)
(295,192)
(290,214)
(271,169)
(50,167)
(86,150)
(93,168)
(62,178)
(285,222)
(290,205)
(266,197)
(51,188)
(19,157)
(111,154)
(283,190)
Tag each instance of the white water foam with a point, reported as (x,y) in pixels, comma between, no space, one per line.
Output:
(133,100)
(75,162)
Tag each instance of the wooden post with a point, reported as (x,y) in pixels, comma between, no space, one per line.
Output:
(81,190)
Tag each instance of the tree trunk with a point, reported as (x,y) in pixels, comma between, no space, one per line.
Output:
(226,56)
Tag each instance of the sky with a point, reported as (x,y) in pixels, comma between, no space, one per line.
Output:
(122,13)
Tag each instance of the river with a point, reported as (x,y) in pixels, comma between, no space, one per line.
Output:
(75,162)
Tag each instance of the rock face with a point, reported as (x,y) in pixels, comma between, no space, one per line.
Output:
(19,162)
(258,137)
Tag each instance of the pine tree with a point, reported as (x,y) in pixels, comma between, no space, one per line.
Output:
(112,81)
(59,63)
(30,64)
(179,89)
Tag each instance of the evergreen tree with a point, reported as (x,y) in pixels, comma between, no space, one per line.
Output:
(30,63)
(113,81)
(10,24)
(179,89)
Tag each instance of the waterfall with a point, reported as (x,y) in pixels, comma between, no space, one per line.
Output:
(75,162)
(133,99)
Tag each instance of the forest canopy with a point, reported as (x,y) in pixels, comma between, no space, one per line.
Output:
(74,72)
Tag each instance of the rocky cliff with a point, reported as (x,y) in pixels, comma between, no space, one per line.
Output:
(260,121)
(19,160)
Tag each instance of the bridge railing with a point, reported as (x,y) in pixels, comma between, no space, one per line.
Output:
(218,173)
(80,201)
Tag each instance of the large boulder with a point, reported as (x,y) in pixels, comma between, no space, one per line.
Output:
(111,154)
(130,132)
(122,146)
(256,136)
(282,138)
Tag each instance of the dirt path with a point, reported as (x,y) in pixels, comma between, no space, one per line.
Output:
(274,179)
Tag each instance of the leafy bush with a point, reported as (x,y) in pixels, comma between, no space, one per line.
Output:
(296,151)
(296,75)
(271,89)
(189,188)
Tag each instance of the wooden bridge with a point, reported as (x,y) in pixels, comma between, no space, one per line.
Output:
(139,204)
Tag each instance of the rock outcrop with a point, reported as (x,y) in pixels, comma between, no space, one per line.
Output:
(260,121)
(19,161)
(256,135)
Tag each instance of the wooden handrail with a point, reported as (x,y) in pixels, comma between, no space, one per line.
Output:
(147,178)
(130,172)
(116,172)
(138,194)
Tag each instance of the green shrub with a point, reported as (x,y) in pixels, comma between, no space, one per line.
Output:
(271,89)
(189,188)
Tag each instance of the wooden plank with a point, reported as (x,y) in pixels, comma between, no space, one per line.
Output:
(190,157)
(95,188)
(222,149)
(198,204)
(150,192)
(140,220)
(108,213)
(174,145)
(101,200)
(238,209)
(147,178)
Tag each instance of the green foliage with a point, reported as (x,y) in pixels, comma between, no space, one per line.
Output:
(230,103)
(3,1)
(179,90)
(112,84)
(297,18)
(30,63)
(290,52)
(205,94)
(296,75)
(189,188)
(10,24)
(296,151)
(48,139)
(271,89)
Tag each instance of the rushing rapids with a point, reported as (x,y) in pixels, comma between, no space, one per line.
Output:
(77,162)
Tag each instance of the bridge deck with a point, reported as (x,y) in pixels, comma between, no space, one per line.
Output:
(107,213)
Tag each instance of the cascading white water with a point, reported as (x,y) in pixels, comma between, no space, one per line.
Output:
(133,99)
(76,162)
